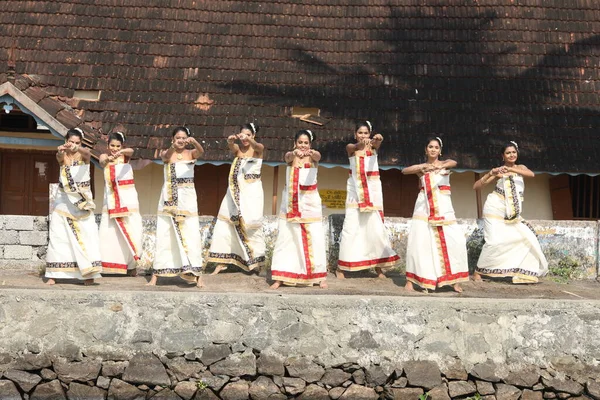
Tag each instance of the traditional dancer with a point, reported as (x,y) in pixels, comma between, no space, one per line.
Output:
(437,251)
(237,236)
(73,247)
(299,254)
(511,247)
(178,243)
(364,241)
(121,224)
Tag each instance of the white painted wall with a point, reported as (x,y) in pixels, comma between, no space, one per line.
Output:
(149,181)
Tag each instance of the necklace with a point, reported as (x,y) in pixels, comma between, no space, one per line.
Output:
(180,156)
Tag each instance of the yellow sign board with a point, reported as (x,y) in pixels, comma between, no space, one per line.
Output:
(333,198)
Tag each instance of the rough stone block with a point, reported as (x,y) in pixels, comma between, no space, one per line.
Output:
(460,388)
(304,368)
(77,391)
(214,352)
(237,364)
(17,252)
(146,369)
(403,394)
(566,385)
(9,237)
(206,394)
(186,390)
(270,364)
(262,388)
(48,374)
(18,222)
(83,371)
(8,391)
(24,380)
(103,382)
(235,391)
(455,371)
(531,395)
(51,390)
(314,392)
(525,378)
(335,377)
(33,362)
(593,389)
(293,386)
(439,393)
(123,390)
(212,381)
(40,224)
(113,368)
(487,371)
(33,238)
(376,375)
(425,374)
(507,392)
(485,388)
(183,369)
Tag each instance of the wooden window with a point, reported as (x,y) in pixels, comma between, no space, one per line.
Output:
(585,196)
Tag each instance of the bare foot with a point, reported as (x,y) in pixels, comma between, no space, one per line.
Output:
(219,268)
(409,286)
(476,277)
(380,273)
(457,288)
(339,274)
(50,282)
(152,281)
(132,272)
(275,285)
(199,282)
(323,285)
(88,282)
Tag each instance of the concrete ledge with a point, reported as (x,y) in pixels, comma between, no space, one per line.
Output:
(332,330)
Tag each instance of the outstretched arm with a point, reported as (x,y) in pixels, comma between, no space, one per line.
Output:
(376,141)
(521,170)
(198,150)
(233,147)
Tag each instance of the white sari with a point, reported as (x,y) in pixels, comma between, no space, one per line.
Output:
(299,254)
(237,236)
(121,224)
(73,251)
(511,247)
(436,253)
(365,241)
(178,243)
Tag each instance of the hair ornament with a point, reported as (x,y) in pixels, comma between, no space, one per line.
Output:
(253,127)
(369,126)
(188,131)
(310,134)
(80,131)
(121,135)
(440,140)
(516,145)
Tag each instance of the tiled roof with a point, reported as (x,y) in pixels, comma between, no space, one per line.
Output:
(476,72)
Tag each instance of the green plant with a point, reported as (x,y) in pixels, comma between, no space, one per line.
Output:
(424,396)
(477,396)
(563,270)
(201,385)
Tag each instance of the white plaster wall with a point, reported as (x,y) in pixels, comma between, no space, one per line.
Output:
(149,181)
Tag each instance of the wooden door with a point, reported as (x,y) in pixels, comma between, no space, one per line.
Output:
(211,185)
(24,180)
(399,193)
(560,197)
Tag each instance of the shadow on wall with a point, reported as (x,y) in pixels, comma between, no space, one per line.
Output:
(455,71)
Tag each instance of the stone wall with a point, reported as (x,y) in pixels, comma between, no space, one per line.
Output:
(569,244)
(135,345)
